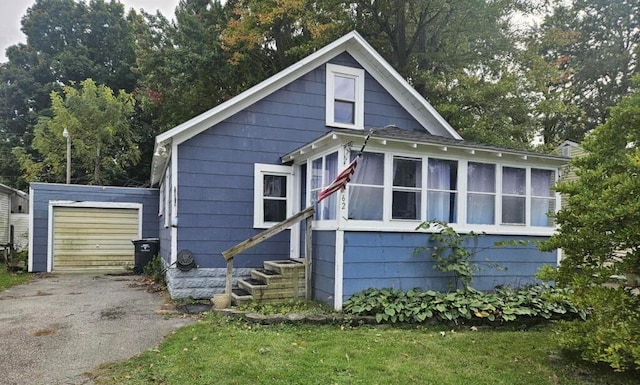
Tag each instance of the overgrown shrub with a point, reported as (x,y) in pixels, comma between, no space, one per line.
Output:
(503,305)
(155,270)
(611,333)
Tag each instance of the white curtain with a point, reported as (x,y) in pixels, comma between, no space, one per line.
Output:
(365,202)
(481,178)
(542,201)
(441,205)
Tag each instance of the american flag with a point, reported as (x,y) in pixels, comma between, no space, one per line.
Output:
(341,180)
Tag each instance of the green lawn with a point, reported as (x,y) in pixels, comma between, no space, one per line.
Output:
(11,279)
(222,351)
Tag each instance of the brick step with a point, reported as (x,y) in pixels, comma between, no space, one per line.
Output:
(286,268)
(239,296)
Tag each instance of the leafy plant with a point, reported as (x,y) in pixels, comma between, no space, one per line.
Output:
(503,305)
(155,270)
(284,307)
(611,333)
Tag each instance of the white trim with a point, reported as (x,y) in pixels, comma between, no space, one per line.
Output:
(85,204)
(295,233)
(338,283)
(174,203)
(31,234)
(357,74)
(259,171)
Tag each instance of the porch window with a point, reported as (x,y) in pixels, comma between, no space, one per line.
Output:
(481,196)
(344,97)
(366,190)
(272,194)
(442,184)
(407,183)
(514,196)
(323,171)
(542,197)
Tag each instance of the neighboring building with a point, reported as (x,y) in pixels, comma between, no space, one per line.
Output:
(265,154)
(14,206)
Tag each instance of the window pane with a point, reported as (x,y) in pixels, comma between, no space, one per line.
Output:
(330,168)
(406,205)
(513,210)
(541,182)
(345,87)
(365,203)
(275,186)
(513,181)
(540,208)
(316,173)
(275,210)
(480,209)
(442,206)
(443,174)
(344,112)
(370,169)
(481,177)
(407,172)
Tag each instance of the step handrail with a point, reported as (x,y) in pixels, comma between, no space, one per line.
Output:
(252,241)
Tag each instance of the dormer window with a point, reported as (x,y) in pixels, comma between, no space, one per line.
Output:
(345,97)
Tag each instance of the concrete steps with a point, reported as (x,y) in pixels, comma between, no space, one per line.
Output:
(276,281)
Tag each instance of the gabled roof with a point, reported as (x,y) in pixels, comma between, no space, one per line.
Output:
(352,43)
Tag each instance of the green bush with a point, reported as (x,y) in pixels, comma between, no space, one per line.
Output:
(611,333)
(503,305)
(155,270)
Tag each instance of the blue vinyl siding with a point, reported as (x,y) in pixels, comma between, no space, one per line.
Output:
(387,260)
(45,192)
(215,167)
(324,253)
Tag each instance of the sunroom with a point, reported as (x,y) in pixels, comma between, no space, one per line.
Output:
(365,235)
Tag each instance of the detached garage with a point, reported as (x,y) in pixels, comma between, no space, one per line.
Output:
(88,229)
(87,236)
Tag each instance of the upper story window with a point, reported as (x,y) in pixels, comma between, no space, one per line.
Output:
(481,196)
(323,171)
(345,97)
(272,194)
(366,189)
(442,186)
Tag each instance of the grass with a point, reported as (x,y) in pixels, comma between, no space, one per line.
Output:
(11,279)
(224,351)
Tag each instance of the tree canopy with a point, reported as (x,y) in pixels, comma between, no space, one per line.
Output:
(494,83)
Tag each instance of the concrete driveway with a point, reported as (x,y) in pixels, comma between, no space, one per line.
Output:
(56,328)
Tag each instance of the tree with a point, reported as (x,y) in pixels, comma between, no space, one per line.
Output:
(598,55)
(183,69)
(600,237)
(99,123)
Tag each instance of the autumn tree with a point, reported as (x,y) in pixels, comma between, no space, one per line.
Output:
(99,124)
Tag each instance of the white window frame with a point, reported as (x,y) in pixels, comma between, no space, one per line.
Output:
(350,72)
(260,170)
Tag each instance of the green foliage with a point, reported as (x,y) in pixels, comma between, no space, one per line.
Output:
(471,306)
(285,307)
(610,333)
(9,279)
(451,252)
(102,141)
(156,270)
(547,273)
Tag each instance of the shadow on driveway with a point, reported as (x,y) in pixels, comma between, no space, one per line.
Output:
(56,328)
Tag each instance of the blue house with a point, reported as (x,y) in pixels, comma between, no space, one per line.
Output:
(265,154)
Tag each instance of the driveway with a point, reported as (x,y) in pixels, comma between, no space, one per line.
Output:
(56,328)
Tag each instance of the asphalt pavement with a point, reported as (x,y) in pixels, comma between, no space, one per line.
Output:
(56,329)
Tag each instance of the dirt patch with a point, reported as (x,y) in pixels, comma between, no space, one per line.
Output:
(113,313)
(41,293)
(45,332)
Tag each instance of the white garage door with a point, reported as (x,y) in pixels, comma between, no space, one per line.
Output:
(93,239)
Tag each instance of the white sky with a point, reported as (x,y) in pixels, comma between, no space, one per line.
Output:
(11,12)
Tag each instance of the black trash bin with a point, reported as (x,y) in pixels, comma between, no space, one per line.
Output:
(145,250)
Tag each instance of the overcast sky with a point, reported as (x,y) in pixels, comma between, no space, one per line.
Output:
(11,12)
